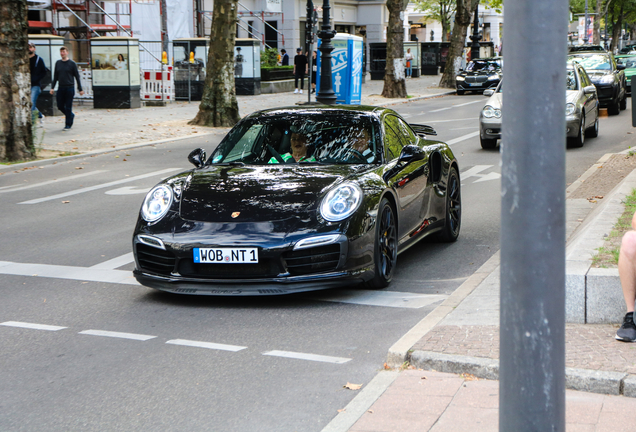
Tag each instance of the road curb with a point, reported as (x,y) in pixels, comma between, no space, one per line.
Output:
(587,380)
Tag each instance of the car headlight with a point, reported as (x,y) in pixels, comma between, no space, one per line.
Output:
(493,77)
(490,112)
(570,109)
(341,202)
(460,78)
(607,79)
(157,203)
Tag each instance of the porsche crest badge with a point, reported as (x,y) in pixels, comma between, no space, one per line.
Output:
(235,215)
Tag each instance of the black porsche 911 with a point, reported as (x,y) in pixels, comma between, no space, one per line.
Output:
(298,199)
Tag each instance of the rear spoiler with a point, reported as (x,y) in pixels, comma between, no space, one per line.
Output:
(423,130)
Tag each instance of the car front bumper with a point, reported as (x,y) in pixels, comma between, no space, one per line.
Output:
(572,125)
(607,94)
(478,86)
(489,128)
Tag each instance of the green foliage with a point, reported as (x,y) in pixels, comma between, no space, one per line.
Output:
(269,57)
(276,67)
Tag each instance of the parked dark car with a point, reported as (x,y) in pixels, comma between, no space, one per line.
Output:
(479,75)
(629,60)
(627,49)
(298,199)
(586,48)
(607,76)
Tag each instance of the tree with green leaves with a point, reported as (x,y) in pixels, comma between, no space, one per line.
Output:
(438,10)
(16,136)
(219,106)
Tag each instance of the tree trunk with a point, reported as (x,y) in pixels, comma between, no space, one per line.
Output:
(463,18)
(394,82)
(596,33)
(616,29)
(16,136)
(218,105)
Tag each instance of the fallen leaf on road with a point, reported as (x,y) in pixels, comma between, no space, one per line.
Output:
(65,202)
(342,410)
(370,411)
(386,366)
(469,377)
(599,196)
(79,167)
(352,386)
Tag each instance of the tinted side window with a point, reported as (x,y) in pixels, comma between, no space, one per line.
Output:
(393,142)
(407,132)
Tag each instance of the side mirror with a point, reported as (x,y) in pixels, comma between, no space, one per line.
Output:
(489,92)
(620,66)
(197,157)
(411,153)
(589,89)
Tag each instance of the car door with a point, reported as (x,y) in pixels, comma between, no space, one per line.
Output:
(410,180)
(591,100)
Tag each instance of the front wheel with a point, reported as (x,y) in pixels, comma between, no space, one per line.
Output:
(385,248)
(579,140)
(460,92)
(624,103)
(592,132)
(615,108)
(488,143)
(450,233)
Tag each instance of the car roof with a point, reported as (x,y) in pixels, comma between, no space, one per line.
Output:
(326,109)
(586,47)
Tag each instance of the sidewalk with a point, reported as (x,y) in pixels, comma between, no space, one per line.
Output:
(102,129)
(453,353)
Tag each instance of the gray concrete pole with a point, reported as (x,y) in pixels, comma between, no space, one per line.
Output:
(532,323)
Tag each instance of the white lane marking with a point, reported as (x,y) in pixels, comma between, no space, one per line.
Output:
(101,186)
(32,326)
(489,176)
(305,356)
(441,109)
(382,298)
(68,272)
(471,102)
(208,345)
(120,335)
(15,188)
(127,190)
(115,262)
(462,138)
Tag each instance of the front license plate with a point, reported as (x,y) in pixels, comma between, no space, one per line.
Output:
(225,255)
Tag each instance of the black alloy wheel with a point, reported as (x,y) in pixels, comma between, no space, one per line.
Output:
(450,233)
(386,246)
(615,108)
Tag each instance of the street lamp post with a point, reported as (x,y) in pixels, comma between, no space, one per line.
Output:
(326,94)
(474,50)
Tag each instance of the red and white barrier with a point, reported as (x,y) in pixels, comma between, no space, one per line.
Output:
(157,85)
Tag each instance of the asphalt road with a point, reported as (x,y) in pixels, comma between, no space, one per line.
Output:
(102,353)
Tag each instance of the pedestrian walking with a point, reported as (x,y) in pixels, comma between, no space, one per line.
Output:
(409,63)
(38,72)
(66,72)
(285,58)
(627,275)
(300,69)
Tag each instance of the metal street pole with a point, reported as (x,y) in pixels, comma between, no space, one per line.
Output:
(474,49)
(532,311)
(587,17)
(326,94)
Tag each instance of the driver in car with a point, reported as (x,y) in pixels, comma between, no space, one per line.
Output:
(361,140)
(298,150)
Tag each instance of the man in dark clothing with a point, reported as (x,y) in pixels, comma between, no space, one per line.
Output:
(38,72)
(300,69)
(65,72)
(284,61)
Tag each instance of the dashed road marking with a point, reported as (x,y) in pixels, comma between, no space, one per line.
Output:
(20,187)
(105,333)
(462,138)
(208,345)
(305,356)
(100,186)
(32,326)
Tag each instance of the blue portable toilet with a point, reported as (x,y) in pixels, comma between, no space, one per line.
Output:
(346,68)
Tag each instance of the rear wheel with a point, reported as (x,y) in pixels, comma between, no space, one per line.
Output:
(488,143)
(385,249)
(453,208)
(615,108)
(460,92)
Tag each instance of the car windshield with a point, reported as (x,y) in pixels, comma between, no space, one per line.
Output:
(306,137)
(629,62)
(593,62)
(482,65)
(572,82)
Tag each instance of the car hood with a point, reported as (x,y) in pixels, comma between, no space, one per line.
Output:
(572,96)
(257,193)
(597,75)
(495,100)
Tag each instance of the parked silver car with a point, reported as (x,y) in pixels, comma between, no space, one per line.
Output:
(581,110)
